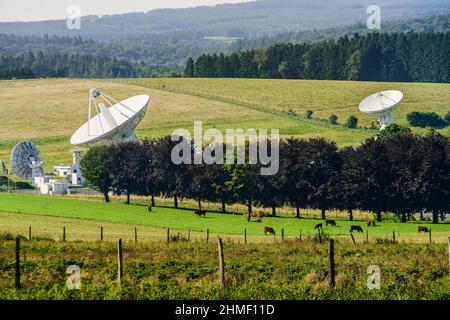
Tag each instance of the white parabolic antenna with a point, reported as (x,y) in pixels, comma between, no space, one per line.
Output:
(112,124)
(26,160)
(382,105)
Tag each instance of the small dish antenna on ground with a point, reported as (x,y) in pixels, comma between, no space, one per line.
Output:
(112,124)
(26,160)
(382,105)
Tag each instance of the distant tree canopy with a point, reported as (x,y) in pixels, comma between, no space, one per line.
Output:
(374,57)
(426,119)
(398,173)
(29,65)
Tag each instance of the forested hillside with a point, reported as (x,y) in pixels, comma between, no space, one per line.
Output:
(417,57)
(28,65)
(248,20)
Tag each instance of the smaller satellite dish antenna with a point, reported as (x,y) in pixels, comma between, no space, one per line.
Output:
(382,105)
(114,122)
(26,160)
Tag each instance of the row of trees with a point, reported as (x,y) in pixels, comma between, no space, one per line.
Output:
(55,65)
(374,57)
(398,173)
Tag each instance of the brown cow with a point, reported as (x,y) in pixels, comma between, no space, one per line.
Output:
(269,230)
(423,229)
(356,228)
(371,223)
(201,213)
(259,220)
(319,226)
(261,214)
(331,222)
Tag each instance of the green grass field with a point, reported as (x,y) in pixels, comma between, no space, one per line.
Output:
(291,270)
(84,216)
(48,111)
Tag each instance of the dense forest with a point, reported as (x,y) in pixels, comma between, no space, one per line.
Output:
(28,65)
(412,56)
(433,23)
(247,20)
(165,49)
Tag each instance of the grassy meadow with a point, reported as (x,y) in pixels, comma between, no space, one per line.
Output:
(83,218)
(289,270)
(48,111)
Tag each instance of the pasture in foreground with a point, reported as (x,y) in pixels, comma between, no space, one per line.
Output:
(289,270)
(17,207)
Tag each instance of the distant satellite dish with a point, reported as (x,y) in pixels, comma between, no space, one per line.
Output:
(112,124)
(382,105)
(26,160)
(3,168)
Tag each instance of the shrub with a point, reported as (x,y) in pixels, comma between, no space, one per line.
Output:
(394,129)
(333,119)
(352,122)
(426,119)
(309,114)
(447,118)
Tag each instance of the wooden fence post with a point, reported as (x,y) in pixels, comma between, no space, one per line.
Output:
(101,233)
(119,262)
(367,235)
(221,265)
(430,237)
(282,235)
(189,235)
(29,233)
(245,235)
(64,234)
(353,237)
(17,280)
(393,236)
(135,234)
(332,267)
(168,235)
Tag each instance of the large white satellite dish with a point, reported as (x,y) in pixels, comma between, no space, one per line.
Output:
(112,124)
(382,105)
(26,160)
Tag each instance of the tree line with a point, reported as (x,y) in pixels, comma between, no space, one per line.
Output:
(54,65)
(408,57)
(395,172)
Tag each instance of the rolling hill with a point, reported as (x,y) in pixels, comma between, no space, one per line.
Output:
(48,111)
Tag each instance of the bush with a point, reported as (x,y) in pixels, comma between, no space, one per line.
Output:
(393,129)
(333,119)
(309,114)
(447,118)
(352,122)
(426,119)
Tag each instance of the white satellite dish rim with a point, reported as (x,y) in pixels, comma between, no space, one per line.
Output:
(123,113)
(381,102)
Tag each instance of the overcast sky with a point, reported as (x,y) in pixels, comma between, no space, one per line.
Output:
(33,10)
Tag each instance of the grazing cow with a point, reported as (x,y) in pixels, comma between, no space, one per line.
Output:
(371,223)
(201,213)
(269,230)
(261,215)
(319,226)
(424,229)
(255,215)
(149,208)
(356,228)
(332,223)
(259,220)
